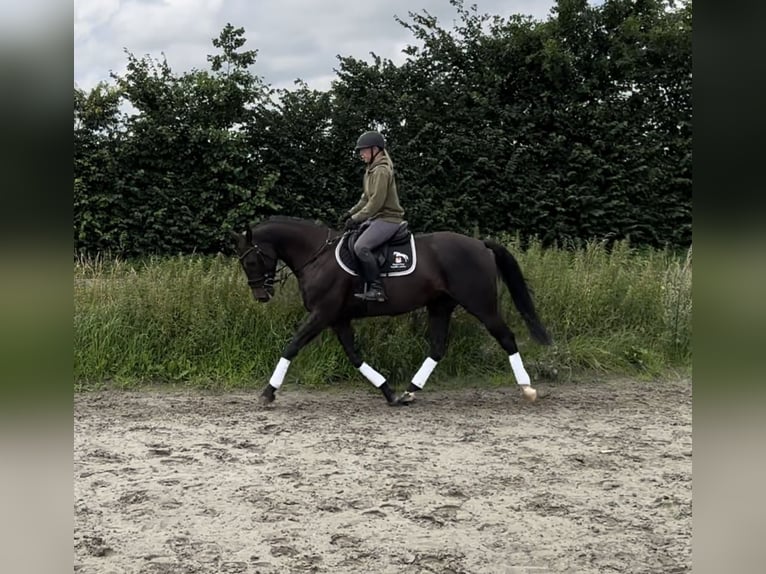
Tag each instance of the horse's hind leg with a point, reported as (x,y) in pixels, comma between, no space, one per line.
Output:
(489,315)
(475,288)
(500,331)
(345,334)
(439,315)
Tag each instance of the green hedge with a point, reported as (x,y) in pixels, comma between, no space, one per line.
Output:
(574,128)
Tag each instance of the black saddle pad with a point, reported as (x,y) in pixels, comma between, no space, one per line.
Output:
(395,257)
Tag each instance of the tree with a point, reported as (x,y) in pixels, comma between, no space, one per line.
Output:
(186,170)
(576,127)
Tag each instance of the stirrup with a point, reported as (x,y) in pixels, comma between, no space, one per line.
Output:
(378,296)
(372,294)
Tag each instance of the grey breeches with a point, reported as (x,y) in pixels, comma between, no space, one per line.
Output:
(377,232)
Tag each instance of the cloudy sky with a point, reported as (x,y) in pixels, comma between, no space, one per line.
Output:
(294,38)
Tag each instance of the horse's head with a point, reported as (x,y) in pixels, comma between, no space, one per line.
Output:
(259,262)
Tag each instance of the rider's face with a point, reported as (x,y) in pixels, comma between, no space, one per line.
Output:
(366,154)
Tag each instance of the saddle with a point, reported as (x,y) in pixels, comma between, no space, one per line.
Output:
(397,256)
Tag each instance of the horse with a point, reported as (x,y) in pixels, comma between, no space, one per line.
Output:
(451,269)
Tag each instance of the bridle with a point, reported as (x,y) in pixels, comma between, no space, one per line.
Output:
(267,280)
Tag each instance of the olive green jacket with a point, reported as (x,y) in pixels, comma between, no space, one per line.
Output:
(380,199)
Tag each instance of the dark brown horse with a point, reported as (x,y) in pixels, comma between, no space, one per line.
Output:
(451,270)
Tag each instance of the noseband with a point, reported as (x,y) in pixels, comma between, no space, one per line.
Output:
(267,279)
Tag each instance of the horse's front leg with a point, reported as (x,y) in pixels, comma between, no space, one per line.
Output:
(345,334)
(314,324)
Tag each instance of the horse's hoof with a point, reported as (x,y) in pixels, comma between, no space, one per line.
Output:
(267,396)
(406,398)
(396,403)
(529,393)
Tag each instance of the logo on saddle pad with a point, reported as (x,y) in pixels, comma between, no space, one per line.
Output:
(393,260)
(400,260)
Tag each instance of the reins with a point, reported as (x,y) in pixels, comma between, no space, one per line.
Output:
(268,279)
(316,254)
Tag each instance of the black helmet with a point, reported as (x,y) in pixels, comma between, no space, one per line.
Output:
(369,139)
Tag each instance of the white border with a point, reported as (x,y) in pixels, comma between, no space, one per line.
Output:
(394,274)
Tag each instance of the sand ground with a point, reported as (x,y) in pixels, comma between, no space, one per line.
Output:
(594,477)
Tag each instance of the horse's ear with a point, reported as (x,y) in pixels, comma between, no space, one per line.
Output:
(242,240)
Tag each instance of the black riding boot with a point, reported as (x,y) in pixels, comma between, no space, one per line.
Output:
(375,292)
(371,275)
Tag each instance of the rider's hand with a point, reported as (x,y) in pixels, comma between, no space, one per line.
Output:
(350,224)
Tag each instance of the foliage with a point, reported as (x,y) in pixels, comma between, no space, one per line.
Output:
(571,129)
(192,319)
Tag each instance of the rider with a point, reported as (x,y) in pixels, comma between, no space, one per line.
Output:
(378,207)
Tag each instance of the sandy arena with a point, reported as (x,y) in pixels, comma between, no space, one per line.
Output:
(593,477)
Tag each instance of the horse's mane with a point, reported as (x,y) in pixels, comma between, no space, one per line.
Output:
(290,219)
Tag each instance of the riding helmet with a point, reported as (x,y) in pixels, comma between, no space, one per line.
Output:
(369,139)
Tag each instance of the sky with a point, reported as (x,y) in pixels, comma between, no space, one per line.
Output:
(294,38)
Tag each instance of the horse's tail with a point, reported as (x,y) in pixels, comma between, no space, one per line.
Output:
(514,280)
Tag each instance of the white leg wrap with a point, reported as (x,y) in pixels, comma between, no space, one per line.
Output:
(522,377)
(425,370)
(372,375)
(279,373)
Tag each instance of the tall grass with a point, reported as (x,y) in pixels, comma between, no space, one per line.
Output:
(617,309)
(192,320)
